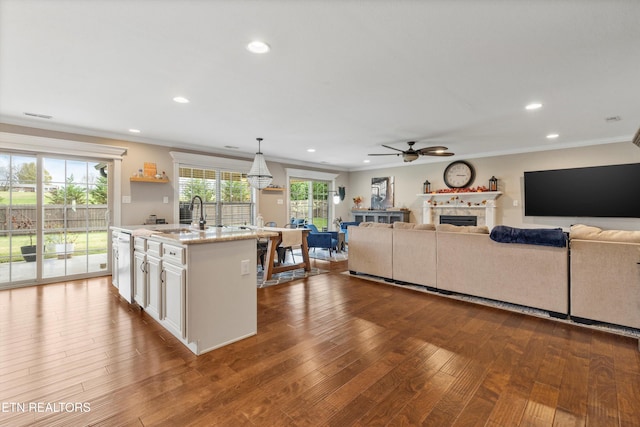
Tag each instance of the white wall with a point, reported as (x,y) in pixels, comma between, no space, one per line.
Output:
(147,199)
(509,169)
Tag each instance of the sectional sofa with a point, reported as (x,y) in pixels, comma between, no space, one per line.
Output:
(594,278)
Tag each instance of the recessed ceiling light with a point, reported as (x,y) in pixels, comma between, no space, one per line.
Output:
(258,46)
(552,136)
(311,150)
(366,161)
(533,106)
(181,100)
(134,130)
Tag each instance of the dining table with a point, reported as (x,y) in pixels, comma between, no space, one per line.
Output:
(285,237)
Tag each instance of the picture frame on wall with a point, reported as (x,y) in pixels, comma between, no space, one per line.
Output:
(382,190)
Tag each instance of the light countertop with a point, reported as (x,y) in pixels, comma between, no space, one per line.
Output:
(185,235)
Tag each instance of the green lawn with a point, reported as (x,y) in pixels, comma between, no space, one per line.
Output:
(19,198)
(96,244)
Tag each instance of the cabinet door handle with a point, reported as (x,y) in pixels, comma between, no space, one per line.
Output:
(172,253)
(162,276)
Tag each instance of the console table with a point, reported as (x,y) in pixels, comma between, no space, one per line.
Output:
(386,216)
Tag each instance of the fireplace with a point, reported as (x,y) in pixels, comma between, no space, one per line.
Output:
(459,219)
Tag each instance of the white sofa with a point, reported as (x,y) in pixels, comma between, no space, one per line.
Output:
(529,275)
(370,249)
(605,275)
(414,254)
(463,260)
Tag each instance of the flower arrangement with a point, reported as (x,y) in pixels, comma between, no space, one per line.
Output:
(357,200)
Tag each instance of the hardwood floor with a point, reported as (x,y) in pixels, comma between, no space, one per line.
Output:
(331,350)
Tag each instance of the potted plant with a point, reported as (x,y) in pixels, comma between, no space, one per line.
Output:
(61,243)
(23,222)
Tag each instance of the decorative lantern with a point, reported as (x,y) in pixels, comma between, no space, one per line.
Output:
(426,187)
(493,184)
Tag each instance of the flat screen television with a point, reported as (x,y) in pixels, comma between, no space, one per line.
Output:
(599,191)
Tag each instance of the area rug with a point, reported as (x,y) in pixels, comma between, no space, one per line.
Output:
(287,276)
(615,329)
(323,254)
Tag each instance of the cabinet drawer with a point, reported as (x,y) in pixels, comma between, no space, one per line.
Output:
(140,244)
(173,254)
(154,248)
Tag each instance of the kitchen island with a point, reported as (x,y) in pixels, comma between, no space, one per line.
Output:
(199,285)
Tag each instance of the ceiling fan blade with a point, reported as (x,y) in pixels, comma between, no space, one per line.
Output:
(437,153)
(386,154)
(426,150)
(392,148)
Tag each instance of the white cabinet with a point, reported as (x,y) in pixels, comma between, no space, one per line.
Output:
(201,292)
(114,259)
(154,280)
(174,299)
(174,287)
(140,278)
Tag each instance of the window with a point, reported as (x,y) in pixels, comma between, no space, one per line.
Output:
(226,196)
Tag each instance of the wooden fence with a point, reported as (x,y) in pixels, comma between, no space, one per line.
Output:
(80,218)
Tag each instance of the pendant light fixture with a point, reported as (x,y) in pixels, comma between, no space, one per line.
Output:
(259,176)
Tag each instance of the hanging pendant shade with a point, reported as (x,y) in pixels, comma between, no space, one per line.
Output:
(259,176)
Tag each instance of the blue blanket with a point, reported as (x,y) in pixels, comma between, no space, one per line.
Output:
(529,236)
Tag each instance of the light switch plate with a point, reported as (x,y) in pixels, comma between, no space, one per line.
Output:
(244,267)
(126,199)
(165,199)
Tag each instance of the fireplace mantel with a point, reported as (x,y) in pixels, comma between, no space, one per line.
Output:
(471,200)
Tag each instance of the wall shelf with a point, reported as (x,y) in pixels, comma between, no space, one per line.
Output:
(149,179)
(273,190)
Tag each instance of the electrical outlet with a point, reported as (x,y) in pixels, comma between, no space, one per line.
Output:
(126,199)
(165,199)
(281,201)
(244,267)
(515,203)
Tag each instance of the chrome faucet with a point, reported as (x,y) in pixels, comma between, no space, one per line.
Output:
(201,222)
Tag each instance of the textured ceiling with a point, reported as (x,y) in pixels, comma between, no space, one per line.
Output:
(343,77)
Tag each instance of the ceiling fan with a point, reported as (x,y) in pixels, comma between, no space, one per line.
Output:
(410,154)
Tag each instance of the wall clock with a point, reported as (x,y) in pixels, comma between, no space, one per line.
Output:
(459,174)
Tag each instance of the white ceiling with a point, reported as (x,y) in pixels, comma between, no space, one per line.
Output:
(342,77)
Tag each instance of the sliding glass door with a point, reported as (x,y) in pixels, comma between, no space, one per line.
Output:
(54,218)
(18,218)
(308,201)
(75,217)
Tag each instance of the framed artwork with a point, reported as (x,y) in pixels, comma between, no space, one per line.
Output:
(382,192)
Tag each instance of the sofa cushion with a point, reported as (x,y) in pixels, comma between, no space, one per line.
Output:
(376,225)
(588,232)
(403,225)
(430,227)
(480,229)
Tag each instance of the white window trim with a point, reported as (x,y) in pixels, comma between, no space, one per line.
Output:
(209,162)
(313,176)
